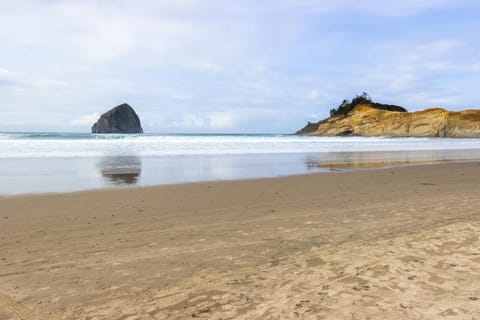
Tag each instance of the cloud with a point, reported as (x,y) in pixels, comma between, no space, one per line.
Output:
(371,7)
(8,78)
(418,73)
(313,95)
(204,66)
(430,53)
(86,119)
(403,8)
(213,120)
(189,121)
(99,31)
(221,120)
(234,66)
(19,80)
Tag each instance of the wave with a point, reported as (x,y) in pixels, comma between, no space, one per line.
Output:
(91,136)
(62,136)
(44,145)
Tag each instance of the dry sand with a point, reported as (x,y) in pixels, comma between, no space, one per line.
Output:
(393,243)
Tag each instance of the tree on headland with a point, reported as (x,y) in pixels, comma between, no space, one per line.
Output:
(346,106)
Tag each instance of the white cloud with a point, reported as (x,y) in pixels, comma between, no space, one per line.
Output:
(212,120)
(430,53)
(86,119)
(189,120)
(220,120)
(413,72)
(22,81)
(376,7)
(399,8)
(205,66)
(7,79)
(102,31)
(474,66)
(313,95)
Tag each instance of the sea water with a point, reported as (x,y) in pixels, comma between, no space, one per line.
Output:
(64,162)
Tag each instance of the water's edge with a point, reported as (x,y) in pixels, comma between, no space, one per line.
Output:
(40,163)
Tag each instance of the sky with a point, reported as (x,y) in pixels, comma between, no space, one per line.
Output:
(239,66)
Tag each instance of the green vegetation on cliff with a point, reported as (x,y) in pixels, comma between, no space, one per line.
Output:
(346,106)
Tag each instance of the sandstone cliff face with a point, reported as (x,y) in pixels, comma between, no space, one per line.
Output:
(364,120)
(121,119)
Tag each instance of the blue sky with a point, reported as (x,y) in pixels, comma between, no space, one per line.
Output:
(230,66)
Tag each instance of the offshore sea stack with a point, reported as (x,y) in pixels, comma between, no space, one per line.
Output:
(366,119)
(121,119)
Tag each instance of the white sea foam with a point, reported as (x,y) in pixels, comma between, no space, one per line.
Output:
(47,145)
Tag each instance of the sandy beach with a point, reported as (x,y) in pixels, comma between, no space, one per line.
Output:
(390,243)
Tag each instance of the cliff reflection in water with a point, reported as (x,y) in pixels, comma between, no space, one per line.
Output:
(372,159)
(121,170)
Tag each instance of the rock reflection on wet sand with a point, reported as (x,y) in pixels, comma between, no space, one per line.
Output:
(121,170)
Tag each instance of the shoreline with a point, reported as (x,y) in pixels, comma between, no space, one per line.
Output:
(47,163)
(299,246)
(325,168)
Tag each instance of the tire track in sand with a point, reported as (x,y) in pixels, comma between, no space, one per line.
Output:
(11,308)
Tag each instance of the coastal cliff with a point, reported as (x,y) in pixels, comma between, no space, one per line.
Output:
(121,119)
(366,120)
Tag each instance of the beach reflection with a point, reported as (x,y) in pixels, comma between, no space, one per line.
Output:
(121,169)
(358,160)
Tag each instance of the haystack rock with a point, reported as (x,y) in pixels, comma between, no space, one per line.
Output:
(121,119)
(366,120)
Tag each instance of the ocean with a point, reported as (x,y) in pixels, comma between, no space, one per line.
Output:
(65,162)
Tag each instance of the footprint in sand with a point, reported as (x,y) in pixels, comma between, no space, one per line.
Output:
(10,309)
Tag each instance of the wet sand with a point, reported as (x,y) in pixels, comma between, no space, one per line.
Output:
(393,243)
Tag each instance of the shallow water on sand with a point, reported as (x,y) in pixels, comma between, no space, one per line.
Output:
(54,162)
